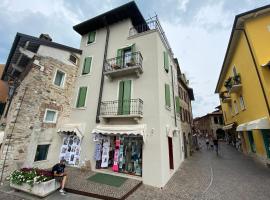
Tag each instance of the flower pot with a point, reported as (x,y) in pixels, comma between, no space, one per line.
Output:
(42,189)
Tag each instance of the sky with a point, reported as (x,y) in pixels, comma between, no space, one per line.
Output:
(198,31)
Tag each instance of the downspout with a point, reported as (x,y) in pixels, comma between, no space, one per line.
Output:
(103,68)
(175,122)
(256,68)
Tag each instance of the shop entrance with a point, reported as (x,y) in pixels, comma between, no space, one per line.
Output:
(266,139)
(122,154)
(170,145)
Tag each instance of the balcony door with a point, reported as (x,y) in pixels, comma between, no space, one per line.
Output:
(124,96)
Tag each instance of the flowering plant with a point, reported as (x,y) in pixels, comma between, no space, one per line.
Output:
(30,176)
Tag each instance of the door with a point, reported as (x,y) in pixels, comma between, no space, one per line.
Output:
(266,139)
(124,97)
(170,145)
(251,142)
(185,145)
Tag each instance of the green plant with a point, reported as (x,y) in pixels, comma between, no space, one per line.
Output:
(30,176)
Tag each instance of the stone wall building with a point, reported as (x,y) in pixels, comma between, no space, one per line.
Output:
(41,76)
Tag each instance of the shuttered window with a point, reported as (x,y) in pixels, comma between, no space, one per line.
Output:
(87,65)
(91,37)
(81,97)
(167,95)
(166,61)
(177,104)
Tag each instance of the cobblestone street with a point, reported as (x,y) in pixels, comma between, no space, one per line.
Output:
(204,176)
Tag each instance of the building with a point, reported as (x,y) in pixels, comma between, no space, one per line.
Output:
(3,91)
(185,96)
(243,83)
(125,97)
(41,76)
(211,124)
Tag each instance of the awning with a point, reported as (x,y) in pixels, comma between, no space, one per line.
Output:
(69,128)
(139,129)
(2,133)
(262,123)
(227,127)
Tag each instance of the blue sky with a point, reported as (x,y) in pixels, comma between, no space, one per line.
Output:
(198,31)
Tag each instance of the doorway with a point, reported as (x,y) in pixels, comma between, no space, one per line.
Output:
(266,139)
(251,142)
(170,145)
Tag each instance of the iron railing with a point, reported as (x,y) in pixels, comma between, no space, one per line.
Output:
(121,62)
(121,107)
(151,24)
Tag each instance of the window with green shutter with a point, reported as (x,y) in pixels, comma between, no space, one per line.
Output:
(91,37)
(81,97)
(87,65)
(167,95)
(166,60)
(177,104)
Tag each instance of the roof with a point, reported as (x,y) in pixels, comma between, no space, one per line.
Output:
(237,23)
(129,10)
(21,38)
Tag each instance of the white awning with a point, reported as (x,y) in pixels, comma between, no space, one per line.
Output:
(2,133)
(69,128)
(262,123)
(227,127)
(241,127)
(139,129)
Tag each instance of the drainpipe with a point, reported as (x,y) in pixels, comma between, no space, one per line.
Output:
(175,122)
(103,68)
(256,68)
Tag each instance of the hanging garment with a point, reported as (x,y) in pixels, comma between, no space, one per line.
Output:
(116,156)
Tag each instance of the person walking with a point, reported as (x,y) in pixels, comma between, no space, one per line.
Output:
(215,141)
(207,143)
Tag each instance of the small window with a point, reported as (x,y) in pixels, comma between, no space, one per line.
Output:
(235,107)
(81,97)
(166,61)
(91,37)
(216,120)
(87,65)
(59,78)
(242,103)
(73,59)
(42,152)
(50,116)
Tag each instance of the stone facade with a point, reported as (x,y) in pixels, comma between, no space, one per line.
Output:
(25,128)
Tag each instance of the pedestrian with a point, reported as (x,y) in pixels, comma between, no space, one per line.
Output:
(207,143)
(59,174)
(215,141)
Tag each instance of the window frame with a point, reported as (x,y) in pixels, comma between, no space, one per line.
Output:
(74,57)
(92,58)
(77,98)
(87,44)
(63,81)
(55,116)
(48,145)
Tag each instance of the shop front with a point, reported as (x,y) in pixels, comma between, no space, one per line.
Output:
(119,148)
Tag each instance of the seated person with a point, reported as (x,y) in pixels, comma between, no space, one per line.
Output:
(59,174)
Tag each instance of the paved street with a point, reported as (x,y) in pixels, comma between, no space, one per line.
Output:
(231,176)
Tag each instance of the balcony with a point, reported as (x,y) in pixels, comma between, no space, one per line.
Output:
(124,65)
(225,97)
(132,108)
(233,84)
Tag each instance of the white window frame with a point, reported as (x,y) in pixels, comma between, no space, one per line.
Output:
(242,102)
(64,79)
(71,60)
(235,106)
(94,40)
(55,116)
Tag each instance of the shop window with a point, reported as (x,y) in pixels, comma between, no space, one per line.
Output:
(42,152)
(59,78)
(50,116)
(81,97)
(242,103)
(91,37)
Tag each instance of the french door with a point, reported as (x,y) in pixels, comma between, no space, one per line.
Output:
(124,96)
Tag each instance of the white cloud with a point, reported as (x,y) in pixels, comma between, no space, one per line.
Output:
(182,5)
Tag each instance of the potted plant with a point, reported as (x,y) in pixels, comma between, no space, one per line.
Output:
(237,79)
(35,181)
(228,83)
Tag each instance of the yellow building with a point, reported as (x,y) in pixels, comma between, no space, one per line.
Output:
(244,83)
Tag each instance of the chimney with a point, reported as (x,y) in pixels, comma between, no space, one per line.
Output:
(45,36)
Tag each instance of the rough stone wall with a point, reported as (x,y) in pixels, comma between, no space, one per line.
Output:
(36,93)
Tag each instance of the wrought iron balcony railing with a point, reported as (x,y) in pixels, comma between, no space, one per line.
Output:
(132,107)
(124,62)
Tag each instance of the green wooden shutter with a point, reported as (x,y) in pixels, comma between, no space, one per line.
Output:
(81,97)
(126,97)
(120,98)
(91,37)
(177,104)
(119,58)
(166,60)
(167,95)
(87,65)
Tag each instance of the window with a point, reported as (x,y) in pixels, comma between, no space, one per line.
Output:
(91,37)
(231,109)
(42,152)
(177,105)
(73,59)
(87,65)
(215,120)
(50,116)
(242,102)
(167,96)
(81,97)
(220,120)
(59,78)
(166,61)
(235,107)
